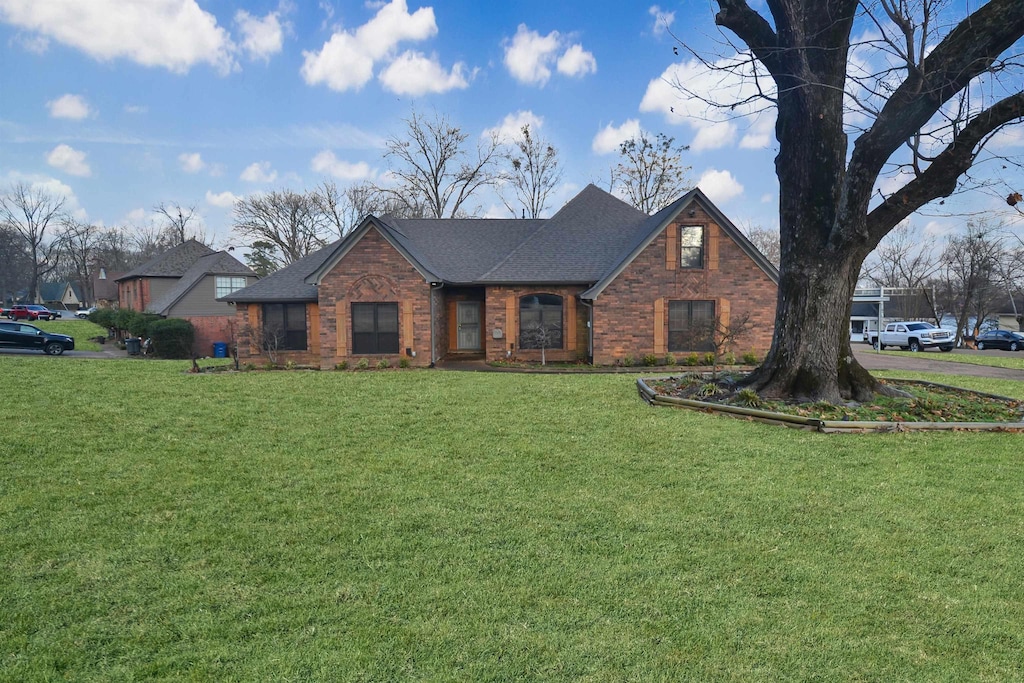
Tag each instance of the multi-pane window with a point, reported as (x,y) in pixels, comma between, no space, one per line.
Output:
(226,285)
(374,328)
(691,325)
(540,321)
(284,327)
(691,246)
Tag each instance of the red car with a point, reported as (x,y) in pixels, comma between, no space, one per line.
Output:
(29,312)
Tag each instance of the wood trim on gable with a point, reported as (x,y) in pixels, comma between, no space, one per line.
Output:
(660,345)
(672,247)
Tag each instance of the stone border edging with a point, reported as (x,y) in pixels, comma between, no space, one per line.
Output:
(830,426)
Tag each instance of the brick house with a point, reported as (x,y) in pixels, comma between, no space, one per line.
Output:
(185,282)
(597,282)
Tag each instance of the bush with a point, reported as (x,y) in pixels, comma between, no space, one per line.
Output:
(104,317)
(383,364)
(749,398)
(692,359)
(708,359)
(670,359)
(750,358)
(650,359)
(403,362)
(172,338)
(363,364)
(138,325)
(343,365)
(123,318)
(627,361)
(729,358)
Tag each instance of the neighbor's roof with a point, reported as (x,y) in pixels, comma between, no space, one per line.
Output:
(52,291)
(217,263)
(172,263)
(287,284)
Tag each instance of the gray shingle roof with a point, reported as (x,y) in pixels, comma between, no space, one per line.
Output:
(172,263)
(217,263)
(287,284)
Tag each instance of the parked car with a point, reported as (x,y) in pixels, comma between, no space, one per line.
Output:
(31,312)
(914,335)
(1000,339)
(85,312)
(15,335)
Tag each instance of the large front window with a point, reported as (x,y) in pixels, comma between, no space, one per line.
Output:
(691,246)
(540,321)
(691,325)
(374,328)
(225,285)
(284,327)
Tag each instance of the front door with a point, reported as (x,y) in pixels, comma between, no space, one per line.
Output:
(468,320)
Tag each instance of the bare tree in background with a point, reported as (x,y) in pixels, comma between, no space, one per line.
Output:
(766,240)
(532,174)
(79,241)
(906,258)
(650,173)
(15,263)
(432,166)
(918,117)
(972,276)
(289,221)
(175,229)
(34,214)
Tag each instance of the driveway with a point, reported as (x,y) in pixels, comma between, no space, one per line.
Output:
(922,362)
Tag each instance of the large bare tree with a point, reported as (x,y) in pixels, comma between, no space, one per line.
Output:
(917,113)
(532,174)
(289,224)
(79,241)
(34,214)
(433,167)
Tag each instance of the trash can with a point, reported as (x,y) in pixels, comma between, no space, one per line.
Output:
(220,350)
(133,345)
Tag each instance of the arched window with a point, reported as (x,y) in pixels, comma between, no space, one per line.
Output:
(540,321)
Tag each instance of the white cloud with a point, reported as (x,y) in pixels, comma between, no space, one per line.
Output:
(35,44)
(259,172)
(135,216)
(171,34)
(135,109)
(69,160)
(346,60)
(529,54)
(326,162)
(191,162)
(663,20)
(719,186)
(69,107)
(683,92)
(577,62)
(51,186)
(610,138)
(415,74)
(511,126)
(767,198)
(261,38)
(224,200)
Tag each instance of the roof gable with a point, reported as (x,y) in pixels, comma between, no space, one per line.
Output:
(217,263)
(171,263)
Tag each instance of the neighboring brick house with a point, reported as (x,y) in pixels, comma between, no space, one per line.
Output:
(186,282)
(598,281)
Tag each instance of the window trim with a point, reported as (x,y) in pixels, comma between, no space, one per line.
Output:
(217,287)
(377,305)
(701,250)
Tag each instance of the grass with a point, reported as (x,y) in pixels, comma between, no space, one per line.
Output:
(974,358)
(486,527)
(81,330)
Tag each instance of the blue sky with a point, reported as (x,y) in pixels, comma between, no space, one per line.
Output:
(124,105)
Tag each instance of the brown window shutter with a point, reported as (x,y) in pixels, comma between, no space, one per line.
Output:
(341,325)
(659,326)
(453,326)
(510,321)
(672,247)
(723,312)
(407,342)
(254,324)
(712,236)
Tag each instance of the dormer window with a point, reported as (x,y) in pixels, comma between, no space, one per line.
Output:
(691,246)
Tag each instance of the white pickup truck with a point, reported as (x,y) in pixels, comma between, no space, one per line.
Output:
(915,335)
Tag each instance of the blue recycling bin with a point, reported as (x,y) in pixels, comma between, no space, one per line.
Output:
(220,350)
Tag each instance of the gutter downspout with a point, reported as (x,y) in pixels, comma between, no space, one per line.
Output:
(590,330)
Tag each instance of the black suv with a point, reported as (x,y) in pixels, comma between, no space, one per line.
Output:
(24,336)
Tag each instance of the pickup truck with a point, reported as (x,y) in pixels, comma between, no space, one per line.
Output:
(915,336)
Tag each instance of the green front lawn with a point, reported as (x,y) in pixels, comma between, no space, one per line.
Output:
(972,358)
(81,330)
(427,525)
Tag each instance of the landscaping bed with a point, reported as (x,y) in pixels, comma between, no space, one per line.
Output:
(928,406)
